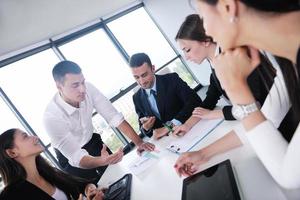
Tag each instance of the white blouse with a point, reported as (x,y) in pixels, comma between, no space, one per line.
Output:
(59,195)
(281,159)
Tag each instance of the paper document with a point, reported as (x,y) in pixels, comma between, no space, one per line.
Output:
(142,163)
(194,136)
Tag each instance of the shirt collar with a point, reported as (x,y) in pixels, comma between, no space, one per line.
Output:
(67,107)
(153,87)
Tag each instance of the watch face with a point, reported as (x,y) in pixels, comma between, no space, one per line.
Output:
(238,112)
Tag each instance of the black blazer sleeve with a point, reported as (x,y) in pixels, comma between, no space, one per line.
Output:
(257,87)
(188,96)
(213,94)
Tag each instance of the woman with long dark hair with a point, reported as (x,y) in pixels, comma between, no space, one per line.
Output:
(269,25)
(197,47)
(27,175)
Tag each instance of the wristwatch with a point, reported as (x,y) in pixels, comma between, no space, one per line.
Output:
(241,111)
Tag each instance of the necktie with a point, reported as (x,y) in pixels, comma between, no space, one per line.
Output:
(153,92)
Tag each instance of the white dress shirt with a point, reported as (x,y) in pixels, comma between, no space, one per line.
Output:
(70,128)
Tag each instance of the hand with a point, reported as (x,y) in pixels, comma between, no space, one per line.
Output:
(207,114)
(147,122)
(145,146)
(94,193)
(111,159)
(181,130)
(188,163)
(160,132)
(93,196)
(234,66)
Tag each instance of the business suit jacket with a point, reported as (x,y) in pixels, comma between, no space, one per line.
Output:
(175,99)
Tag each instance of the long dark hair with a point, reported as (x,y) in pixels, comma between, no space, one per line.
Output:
(192,29)
(13,172)
(290,73)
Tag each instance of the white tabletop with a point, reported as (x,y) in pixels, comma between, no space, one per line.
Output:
(160,182)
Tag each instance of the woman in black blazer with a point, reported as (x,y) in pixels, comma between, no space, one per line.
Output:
(197,47)
(27,175)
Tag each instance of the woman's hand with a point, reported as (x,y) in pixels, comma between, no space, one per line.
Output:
(92,193)
(188,163)
(207,114)
(232,69)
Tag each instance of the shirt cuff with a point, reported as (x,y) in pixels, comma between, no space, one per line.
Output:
(176,122)
(116,120)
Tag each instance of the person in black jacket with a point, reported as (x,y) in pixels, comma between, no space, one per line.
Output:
(163,101)
(197,47)
(27,175)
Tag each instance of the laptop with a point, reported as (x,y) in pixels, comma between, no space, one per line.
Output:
(214,183)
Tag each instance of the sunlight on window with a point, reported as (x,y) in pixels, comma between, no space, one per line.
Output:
(108,136)
(7,119)
(126,106)
(30,86)
(137,33)
(101,63)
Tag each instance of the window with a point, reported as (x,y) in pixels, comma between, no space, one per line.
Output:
(30,86)
(7,119)
(109,137)
(100,61)
(137,33)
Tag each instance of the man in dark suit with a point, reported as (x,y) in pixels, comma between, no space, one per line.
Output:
(163,101)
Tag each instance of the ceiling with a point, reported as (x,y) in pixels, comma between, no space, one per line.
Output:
(26,22)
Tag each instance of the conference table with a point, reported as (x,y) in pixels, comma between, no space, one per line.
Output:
(160,181)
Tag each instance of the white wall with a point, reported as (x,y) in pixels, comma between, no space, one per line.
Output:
(169,14)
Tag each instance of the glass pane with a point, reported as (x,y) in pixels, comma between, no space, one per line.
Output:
(7,119)
(137,33)
(30,86)
(126,106)
(100,61)
(108,136)
(181,70)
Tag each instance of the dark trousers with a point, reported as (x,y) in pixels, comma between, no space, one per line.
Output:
(93,147)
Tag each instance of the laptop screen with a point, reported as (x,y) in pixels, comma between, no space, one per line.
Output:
(216,182)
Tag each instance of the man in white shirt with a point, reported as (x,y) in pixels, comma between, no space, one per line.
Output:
(68,121)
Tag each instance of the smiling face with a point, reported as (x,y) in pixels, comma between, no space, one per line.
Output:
(144,75)
(193,50)
(72,89)
(220,22)
(25,146)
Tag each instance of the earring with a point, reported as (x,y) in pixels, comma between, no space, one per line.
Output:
(232,19)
